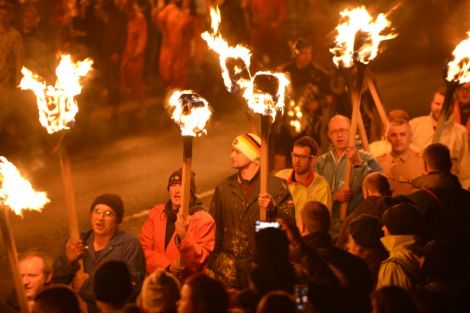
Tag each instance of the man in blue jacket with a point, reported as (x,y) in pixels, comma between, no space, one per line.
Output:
(103,242)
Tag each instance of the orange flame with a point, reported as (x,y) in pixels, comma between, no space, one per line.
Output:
(459,68)
(56,104)
(216,42)
(190,112)
(294,114)
(263,101)
(16,192)
(358,23)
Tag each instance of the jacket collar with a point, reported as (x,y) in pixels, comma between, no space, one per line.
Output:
(404,156)
(437,180)
(395,243)
(291,179)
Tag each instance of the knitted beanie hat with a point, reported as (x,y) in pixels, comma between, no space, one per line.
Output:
(249,144)
(111,200)
(366,231)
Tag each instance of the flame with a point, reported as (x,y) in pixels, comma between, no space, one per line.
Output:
(190,111)
(216,42)
(458,70)
(358,25)
(294,115)
(16,192)
(263,101)
(56,104)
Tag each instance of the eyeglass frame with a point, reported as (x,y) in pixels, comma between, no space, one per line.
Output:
(106,213)
(302,157)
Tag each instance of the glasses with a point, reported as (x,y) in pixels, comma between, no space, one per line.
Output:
(341,131)
(300,156)
(107,213)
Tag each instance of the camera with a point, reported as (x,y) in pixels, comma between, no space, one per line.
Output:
(301,296)
(261,225)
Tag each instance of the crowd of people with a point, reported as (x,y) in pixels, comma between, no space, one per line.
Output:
(401,247)
(395,239)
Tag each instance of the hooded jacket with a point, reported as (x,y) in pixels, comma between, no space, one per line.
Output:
(194,248)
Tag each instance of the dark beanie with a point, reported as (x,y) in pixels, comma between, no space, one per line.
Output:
(366,231)
(111,200)
(402,219)
(177,178)
(112,282)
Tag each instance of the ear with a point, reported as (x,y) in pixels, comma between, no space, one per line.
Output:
(48,279)
(426,167)
(365,193)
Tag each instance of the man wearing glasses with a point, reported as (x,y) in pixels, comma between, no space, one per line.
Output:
(103,242)
(332,166)
(304,184)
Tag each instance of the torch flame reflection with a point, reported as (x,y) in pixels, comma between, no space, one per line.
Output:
(358,22)
(16,192)
(216,42)
(190,111)
(56,104)
(264,102)
(458,70)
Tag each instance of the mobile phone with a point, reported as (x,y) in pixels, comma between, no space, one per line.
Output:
(301,296)
(261,225)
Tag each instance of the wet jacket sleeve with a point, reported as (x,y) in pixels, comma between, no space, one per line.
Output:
(135,259)
(216,213)
(63,272)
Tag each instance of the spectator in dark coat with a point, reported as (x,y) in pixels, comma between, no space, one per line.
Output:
(444,288)
(364,241)
(272,269)
(351,270)
(102,243)
(442,202)
(376,191)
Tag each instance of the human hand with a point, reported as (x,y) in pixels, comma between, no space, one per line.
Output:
(342,195)
(78,281)
(181,225)
(352,155)
(74,250)
(266,202)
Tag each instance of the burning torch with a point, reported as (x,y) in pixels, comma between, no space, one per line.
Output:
(265,95)
(234,61)
(57,110)
(357,43)
(16,194)
(239,56)
(457,73)
(190,112)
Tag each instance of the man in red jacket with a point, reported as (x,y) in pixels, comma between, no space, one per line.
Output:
(167,235)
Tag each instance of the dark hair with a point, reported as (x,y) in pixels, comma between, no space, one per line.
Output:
(208,294)
(437,156)
(441,90)
(277,302)
(443,261)
(267,253)
(393,299)
(403,219)
(309,142)
(377,182)
(57,299)
(112,283)
(316,217)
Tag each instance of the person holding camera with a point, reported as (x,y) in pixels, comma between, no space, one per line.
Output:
(236,207)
